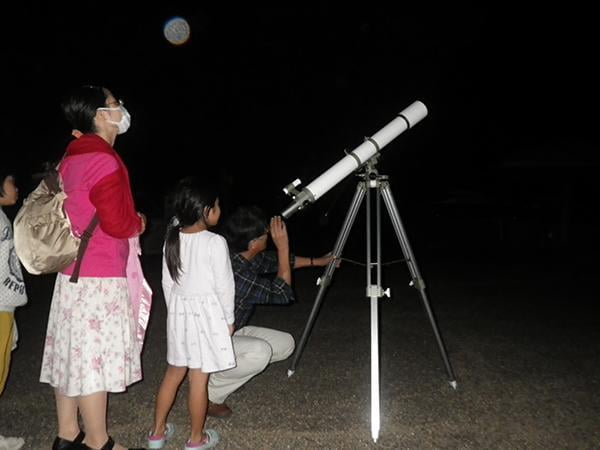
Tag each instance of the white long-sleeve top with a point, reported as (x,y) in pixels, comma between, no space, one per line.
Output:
(205,271)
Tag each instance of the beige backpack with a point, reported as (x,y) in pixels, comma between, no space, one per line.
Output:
(44,240)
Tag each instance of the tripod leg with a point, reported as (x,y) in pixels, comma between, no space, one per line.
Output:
(328,273)
(375,404)
(414,271)
(374,293)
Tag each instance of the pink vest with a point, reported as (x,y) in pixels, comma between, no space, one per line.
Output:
(105,256)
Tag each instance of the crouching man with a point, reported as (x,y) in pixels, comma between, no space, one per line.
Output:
(247,232)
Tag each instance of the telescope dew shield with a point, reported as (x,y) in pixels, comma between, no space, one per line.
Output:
(406,119)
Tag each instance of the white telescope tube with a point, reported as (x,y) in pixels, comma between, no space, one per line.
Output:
(406,119)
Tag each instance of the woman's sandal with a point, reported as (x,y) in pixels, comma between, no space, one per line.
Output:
(109,445)
(159,440)
(64,444)
(211,440)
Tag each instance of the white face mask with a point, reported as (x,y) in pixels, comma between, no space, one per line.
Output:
(124,123)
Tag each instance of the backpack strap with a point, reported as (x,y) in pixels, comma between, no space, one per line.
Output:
(52,181)
(52,176)
(85,238)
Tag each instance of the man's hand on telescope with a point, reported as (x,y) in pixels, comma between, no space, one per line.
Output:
(279,235)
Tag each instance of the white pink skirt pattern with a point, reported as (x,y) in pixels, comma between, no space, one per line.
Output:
(90,341)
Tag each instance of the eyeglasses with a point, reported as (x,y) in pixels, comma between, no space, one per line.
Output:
(115,104)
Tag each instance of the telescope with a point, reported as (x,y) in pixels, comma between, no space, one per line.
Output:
(365,157)
(371,146)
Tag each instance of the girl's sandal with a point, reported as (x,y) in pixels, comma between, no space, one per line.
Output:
(211,439)
(159,440)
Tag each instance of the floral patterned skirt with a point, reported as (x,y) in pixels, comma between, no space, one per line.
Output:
(90,341)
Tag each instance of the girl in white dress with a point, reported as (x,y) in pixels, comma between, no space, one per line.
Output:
(199,291)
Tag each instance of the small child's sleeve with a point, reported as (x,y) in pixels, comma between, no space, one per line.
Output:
(223,275)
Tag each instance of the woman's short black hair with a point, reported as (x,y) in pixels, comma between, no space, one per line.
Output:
(244,224)
(80,105)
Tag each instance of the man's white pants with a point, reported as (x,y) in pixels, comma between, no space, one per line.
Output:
(255,348)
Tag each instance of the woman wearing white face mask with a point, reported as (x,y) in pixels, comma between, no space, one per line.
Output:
(117,106)
(91,346)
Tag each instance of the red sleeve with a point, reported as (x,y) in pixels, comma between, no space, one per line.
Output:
(114,204)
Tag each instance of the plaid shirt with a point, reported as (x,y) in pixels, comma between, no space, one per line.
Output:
(254,286)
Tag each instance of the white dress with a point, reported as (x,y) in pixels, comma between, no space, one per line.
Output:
(201,304)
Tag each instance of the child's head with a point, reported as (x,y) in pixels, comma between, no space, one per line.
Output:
(245,225)
(9,194)
(193,202)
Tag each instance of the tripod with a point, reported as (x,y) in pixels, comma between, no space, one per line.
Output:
(371,179)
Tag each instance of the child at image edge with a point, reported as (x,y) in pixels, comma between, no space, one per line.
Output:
(12,290)
(199,290)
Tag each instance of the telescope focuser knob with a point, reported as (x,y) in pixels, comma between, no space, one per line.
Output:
(291,190)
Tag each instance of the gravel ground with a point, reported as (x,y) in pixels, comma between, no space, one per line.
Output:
(522,337)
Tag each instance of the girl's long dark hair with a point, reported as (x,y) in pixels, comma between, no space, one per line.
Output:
(191,200)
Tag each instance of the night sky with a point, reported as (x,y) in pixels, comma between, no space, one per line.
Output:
(260,96)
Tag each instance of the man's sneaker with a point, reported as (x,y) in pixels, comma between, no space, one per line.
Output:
(220,410)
